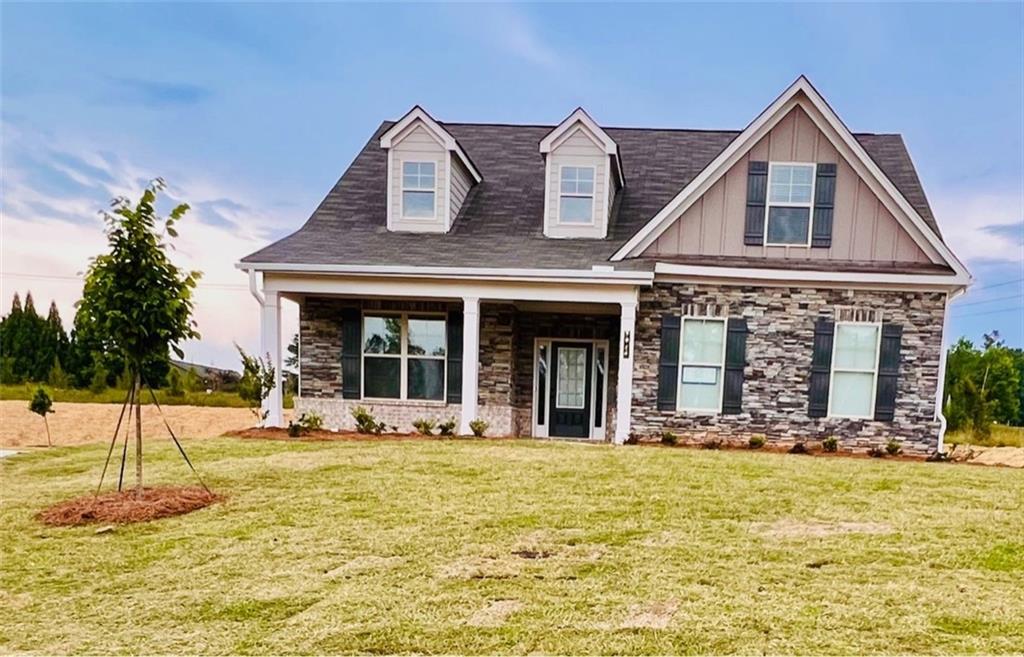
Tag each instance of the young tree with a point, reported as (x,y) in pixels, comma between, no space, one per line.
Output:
(41,405)
(137,303)
(292,359)
(57,378)
(257,382)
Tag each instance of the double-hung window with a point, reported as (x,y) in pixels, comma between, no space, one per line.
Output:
(404,357)
(418,190)
(701,361)
(854,370)
(790,204)
(576,195)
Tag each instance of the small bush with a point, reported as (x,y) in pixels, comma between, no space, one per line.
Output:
(425,427)
(755,442)
(98,384)
(711,443)
(632,439)
(294,429)
(938,457)
(830,444)
(447,428)
(798,448)
(478,427)
(306,423)
(174,384)
(876,452)
(892,447)
(366,422)
(669,438)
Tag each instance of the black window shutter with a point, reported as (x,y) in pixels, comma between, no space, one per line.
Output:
(351,353)
(821,368)
(824,202)
(668,364)
(454,394)
(888,371)
(757,189)
(735,361)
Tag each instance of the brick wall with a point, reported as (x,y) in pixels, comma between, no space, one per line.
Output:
(781,325)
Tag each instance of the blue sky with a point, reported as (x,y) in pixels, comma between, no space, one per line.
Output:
(252,111)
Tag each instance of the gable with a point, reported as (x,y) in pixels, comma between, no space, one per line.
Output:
(863,229)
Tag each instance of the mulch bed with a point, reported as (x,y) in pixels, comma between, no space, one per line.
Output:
(276,433)
(126,507)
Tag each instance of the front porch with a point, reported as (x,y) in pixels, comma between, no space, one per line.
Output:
(538,360)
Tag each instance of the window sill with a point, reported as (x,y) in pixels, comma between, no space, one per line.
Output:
(390,401)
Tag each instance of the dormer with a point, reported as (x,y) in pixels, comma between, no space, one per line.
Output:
(429,175)
(582,174)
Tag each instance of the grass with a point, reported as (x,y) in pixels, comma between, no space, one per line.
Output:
(384,547)
(1001,436)
(24,391)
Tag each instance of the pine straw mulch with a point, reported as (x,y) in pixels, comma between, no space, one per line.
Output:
(276,433)
(126,507)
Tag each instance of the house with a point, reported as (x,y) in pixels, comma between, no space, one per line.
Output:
(582,281)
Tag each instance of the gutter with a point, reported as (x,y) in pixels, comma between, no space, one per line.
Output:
(669,271)
(254,289)
(597,274)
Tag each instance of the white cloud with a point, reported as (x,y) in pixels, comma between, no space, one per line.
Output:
(967,221)
(46,241)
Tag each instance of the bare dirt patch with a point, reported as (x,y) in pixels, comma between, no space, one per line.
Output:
(126,507)
(77,424)
(652,615)
(494,614)
(814,529)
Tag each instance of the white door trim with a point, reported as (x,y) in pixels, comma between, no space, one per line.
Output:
(541,430)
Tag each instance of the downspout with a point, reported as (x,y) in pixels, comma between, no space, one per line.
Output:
(254,289)
(941,388)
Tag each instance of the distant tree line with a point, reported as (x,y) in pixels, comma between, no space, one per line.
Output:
(37,349)
(984,385)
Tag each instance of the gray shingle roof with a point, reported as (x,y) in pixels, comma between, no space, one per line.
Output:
(501,221)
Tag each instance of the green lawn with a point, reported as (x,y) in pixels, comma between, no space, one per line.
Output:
(349,547)
(25,391)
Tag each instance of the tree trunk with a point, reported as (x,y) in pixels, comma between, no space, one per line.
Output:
(138,434)
(49,443)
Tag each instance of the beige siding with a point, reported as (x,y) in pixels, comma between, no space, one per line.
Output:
(416,144)
(462,181)
(578,150)
(863,229)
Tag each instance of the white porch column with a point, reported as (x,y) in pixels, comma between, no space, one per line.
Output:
(624,386)
(470,361)
(270,343)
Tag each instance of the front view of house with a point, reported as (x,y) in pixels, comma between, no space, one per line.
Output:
(578,281)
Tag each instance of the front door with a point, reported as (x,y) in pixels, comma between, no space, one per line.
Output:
(571,364)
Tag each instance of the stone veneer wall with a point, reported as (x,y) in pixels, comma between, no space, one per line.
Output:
(320,366)
(779,350)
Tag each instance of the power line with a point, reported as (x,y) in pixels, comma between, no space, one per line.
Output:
(989,287)
(975,303)
(1019,309)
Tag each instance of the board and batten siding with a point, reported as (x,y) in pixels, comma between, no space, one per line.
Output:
(461,183)
(417,145)
(579,149)
(863,229)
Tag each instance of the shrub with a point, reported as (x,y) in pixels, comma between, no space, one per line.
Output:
(306,423)
(892,447)
(425,427)
(756,442)
(632,439)
(669,438)
(711,443)
(365,422)
(98,384)
(798,448)
(478,427)
(447,428)
(938,457)
(876,452)
(294,429)
(58,378)
(830,444)
(174,387)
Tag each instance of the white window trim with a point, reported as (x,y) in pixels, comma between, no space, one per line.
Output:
(404,189)
(558,386)
(592,196)
(873,372)
(724,320)
(809,205)
(403,355)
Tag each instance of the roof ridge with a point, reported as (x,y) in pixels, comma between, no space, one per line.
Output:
(484,124)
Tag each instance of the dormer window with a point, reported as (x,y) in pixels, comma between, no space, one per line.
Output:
(576,200)
(790,199)
(418,189)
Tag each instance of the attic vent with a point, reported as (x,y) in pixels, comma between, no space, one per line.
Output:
(856,314)
(705,310)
